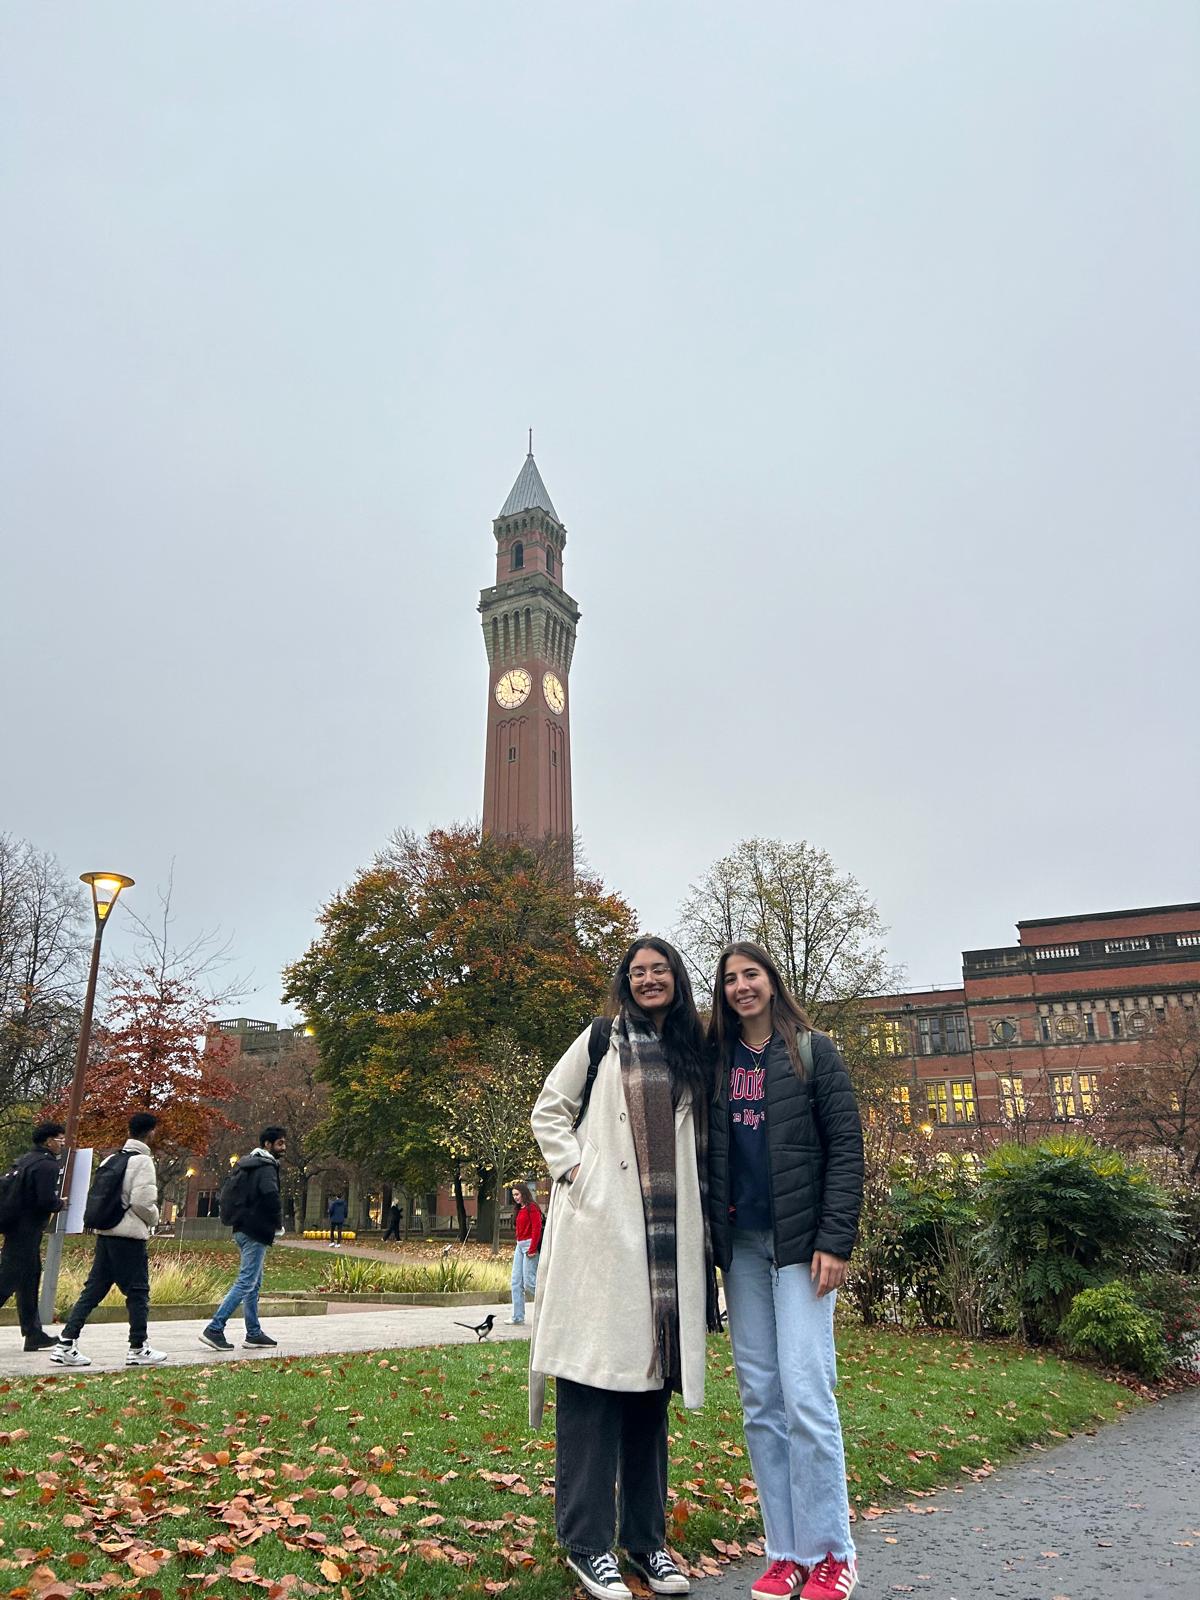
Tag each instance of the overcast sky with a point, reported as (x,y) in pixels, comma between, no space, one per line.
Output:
(860,347)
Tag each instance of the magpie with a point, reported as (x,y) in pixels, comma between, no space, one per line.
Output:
(479,1329)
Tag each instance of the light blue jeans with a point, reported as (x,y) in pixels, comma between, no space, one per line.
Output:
(246,1285)
(783,1354)
(524,1278)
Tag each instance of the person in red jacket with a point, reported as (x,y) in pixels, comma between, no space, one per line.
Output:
(525,1255)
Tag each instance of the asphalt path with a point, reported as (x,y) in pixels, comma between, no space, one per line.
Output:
(1110,1515)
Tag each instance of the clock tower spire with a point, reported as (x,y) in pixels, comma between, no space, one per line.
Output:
(529,623)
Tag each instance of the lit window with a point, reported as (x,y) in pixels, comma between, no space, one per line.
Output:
(962,1096)
(902,1103)
(886,1038)
(1012,1098)
(1062,1089)
(951,1101)
(1089,1092)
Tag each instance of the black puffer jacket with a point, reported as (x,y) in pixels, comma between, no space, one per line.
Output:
(815,1150)
(259,1214)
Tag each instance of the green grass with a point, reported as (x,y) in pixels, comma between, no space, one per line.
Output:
(417,1472)
(286,1268)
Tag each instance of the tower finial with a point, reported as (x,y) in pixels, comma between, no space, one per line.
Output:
(531,441)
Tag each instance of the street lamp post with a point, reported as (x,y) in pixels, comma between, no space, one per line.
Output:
(106,889)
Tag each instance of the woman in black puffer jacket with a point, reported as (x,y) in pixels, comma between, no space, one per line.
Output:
(785,1190)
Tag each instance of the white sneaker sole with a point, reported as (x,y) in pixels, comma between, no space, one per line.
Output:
(600,1590)
(72,1361)
(146,1361)
(679,1585)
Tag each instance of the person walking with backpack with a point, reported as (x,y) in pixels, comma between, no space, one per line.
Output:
(122,1207)
(528,1228)
(785,1191)
(28,1199)
(627,1288)
(337,1216)
(252,1205)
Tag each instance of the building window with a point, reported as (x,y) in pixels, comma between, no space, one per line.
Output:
(1125,947)
(1062,1090)
(1047,1030)
(951,1101)
(554,758)
(944,1035)
(208,1203)
(886,1038)
(549,561)
(512,752)
(1117,1023)
(1004,1030)
(518,557)
(1012,1097)
(1074,1094)
(902,1103)
(1089,1092)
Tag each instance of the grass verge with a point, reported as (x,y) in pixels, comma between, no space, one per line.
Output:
(413,1473)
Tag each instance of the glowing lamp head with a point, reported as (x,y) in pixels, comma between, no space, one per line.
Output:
(105,887)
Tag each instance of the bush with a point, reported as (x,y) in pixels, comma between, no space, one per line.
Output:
(1062,1215)
(1107,1324)
(174,1281)
(1176,1300)
(349,1275)
(935,1251)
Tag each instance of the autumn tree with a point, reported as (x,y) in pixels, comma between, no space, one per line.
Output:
(819,924)
(44,928)
(486,1106)
(439,943)
(1153,1102)
(152,1050)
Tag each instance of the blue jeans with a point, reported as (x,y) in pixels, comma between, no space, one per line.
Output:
(524,1278)
(246,1285)
(783,1354)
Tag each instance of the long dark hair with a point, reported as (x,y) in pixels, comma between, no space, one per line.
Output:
(523,1190)
(682,1032)
(787,1014)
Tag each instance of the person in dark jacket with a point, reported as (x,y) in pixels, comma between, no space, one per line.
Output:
(256,1216)
(21,1257)
(785,1191)
(337,1213)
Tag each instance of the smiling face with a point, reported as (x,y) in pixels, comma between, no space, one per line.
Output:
(747,989)
(651,981)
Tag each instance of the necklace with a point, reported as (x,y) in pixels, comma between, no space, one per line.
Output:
(757,1051)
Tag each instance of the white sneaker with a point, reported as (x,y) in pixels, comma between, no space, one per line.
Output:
(147,1356)
(68,1354)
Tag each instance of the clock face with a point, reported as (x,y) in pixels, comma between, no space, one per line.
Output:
(556,695)
(513,688)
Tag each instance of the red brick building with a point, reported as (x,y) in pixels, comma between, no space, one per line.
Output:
(1037,1028)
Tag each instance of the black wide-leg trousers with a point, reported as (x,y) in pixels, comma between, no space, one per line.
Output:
(610,1468)
(21,1274)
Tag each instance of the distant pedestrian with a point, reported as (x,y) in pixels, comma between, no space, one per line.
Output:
(123,1208)
(528,1225)
(252,1206)
(785,1190)
(395,1218)
(337,1217)
(33,1200)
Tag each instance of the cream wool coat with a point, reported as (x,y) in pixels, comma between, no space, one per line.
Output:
(591,1315)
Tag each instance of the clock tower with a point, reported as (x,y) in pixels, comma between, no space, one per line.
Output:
(529,632)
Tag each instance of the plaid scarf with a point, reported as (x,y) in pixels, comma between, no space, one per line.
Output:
(646,1076)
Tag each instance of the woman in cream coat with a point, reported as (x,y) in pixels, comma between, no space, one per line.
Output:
(626,1283)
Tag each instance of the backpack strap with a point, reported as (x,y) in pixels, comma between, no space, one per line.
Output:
(804,1042)
(599,1036)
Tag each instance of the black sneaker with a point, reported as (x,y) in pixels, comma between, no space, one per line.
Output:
(260,1340)
(215,1339)
(599,1575)
(40,1341)
(660,1572)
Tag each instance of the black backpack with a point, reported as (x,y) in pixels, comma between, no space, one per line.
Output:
(599,1036)
(235,1192)
(105,1207)
(12,1196)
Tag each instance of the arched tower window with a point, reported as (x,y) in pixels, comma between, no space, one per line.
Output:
(550,560)
(518,557)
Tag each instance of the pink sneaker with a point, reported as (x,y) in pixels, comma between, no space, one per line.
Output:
(781,1579)
(831,1580)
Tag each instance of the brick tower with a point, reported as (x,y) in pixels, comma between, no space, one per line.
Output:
(529,632)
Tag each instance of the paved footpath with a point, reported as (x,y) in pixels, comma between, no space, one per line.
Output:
(369,1328)
(1113,1515)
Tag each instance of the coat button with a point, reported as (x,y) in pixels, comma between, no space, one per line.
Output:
(622,1116)
(624,1165)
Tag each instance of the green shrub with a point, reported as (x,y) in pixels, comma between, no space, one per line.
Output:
(935,1256)
(356,1275)
(1062,1215)
(1176,1300)
(1107,1324)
